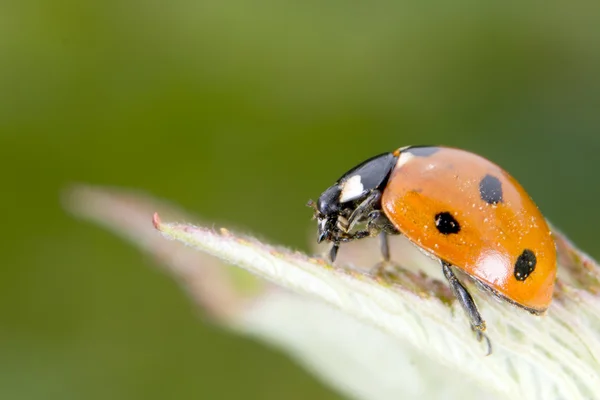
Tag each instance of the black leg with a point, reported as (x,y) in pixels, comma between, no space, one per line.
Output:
(362,209)
(385,246)
(467,303)
(333,251)
(377,224)
(345,239)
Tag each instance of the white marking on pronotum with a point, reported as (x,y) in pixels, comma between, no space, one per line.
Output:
(352,189)
(404,158)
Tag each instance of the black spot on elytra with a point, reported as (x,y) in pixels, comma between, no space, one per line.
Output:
(446,224)
(525,265)
(490,189)
(422,151)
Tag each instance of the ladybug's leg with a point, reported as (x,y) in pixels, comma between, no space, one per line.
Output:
(379,224)
(385,246)
(467,303)
(345,239)
(363,209)
(333,251)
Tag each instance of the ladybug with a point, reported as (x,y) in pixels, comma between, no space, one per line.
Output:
(456,206)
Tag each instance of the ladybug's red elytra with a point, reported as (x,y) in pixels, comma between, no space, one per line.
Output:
(459,207)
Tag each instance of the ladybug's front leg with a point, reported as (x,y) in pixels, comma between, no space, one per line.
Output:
(377,224)
(467,303)
(363,209)
(345,238)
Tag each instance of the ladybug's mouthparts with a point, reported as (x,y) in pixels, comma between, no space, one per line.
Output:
(326,228)
(323,229)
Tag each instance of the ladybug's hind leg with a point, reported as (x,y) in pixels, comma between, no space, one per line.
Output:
(467,303)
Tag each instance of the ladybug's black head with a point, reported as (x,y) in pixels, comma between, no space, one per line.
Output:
(328,212)
(338,203)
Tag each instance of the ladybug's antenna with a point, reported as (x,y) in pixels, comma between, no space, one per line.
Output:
(313,205)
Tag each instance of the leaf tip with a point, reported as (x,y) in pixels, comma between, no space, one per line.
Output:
(156,221)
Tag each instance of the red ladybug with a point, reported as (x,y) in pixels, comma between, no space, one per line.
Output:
(459,207)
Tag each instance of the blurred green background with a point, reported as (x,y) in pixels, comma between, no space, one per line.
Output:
(240,111)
